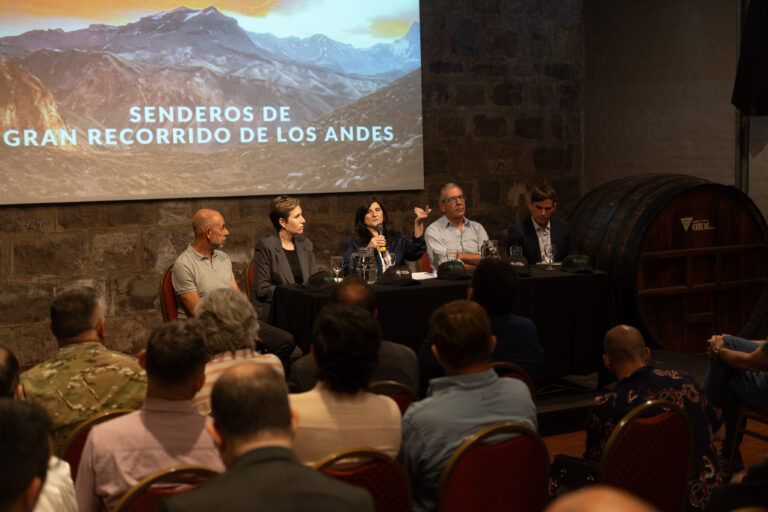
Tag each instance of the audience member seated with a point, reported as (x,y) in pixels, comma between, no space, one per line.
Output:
(453,231)
(203,267)
(626,355)
(494,286)
(736,375)
(369,218)
(253,427)
(230,328)
(338,413)
(469,398)
(83,378)
(599,498)
(285,257)
(165,432)
(540,231)
(749,489)
(58,493)
(396,362)
(24,454)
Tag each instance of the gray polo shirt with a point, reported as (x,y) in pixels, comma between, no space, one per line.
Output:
(442,236)
(193,272)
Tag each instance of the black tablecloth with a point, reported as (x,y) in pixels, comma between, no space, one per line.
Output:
(572,312)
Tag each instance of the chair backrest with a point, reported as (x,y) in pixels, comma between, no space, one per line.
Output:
(649,454)
(514,371)
(373,470)
(168,305)
(249,281)
(72,447)
(512,474)
(426,265)
(397,391)
(150,491)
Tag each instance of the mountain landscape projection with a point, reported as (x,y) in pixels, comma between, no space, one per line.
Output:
(186,103)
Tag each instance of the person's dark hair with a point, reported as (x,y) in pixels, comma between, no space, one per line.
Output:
(542,192)
(24,448)
(494,286)
(280,208)
(9,372)
(229,319)
(354,290)
(461,331)
(251,400)
(346,341)
(176,352)
(362,234)
(73,312)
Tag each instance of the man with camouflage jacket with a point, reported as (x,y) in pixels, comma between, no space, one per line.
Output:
(83,378)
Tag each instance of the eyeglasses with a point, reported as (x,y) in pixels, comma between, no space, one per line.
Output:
(452,200)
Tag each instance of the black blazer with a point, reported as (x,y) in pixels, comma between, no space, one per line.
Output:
(271,267)
(270,478)
(524,235)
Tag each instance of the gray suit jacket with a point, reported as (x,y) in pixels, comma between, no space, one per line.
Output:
(271,267)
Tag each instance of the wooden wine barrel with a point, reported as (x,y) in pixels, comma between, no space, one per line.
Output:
(688,257)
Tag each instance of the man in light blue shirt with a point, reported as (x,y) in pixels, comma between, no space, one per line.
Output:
(470,397)
(454,232)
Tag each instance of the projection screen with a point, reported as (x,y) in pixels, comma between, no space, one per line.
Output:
(138,99)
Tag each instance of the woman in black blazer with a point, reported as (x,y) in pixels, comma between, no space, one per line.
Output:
(285,257)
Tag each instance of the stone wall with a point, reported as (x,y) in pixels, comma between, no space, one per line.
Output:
(502,105)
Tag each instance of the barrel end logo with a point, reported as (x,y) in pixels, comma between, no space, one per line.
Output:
(686,222)
(696,225)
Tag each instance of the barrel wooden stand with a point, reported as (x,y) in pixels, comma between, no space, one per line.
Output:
(688,257)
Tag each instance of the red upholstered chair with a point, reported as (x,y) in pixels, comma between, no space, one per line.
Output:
(512,474)
(168,305)
(150,491)
(373,470)
(514,371)
(397,391)
(72,447)
(426,265)
(649,454)
(746,413)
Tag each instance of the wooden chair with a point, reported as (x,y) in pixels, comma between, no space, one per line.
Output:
(512,474)
(649,454)
(249,281)
(397,391)
(150,491)
(746,413)
(373,470)
(168,304)
(72,447)
(514,371)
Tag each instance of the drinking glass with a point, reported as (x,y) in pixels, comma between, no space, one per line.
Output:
(549,255)
(489,249)
(516,251)
(336,267)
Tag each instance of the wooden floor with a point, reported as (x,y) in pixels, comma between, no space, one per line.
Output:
(752,450)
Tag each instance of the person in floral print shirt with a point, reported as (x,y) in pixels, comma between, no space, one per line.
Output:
(626,355)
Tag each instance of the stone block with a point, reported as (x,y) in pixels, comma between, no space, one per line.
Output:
(239,244)
(529,127)
(445,67)
(559,71)
(484,6)
(37,344)
(542,95)
(26,219)
(129,334)
(522,7)
(227,207)
(329,239)
(507,94)
(10,337)
(435,94)
(432,29)
(450,126)
(81,216)
(175,213)
(130,214)
(254,208)
(552,159)
(52,255)
(115,251)
(5,258)
(465,37)
(490,127)
(314,204)
(137,293)
(556,126)
(162,246)
(505,43)
(570,96)
(561,9)
(470,95)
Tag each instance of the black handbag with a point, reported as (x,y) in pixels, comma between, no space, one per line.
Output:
(571,473)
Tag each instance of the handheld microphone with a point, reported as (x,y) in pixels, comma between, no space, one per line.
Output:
(380,229)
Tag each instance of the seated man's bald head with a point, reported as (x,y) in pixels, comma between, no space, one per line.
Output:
(624,343)
(204,218)
(599,498)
